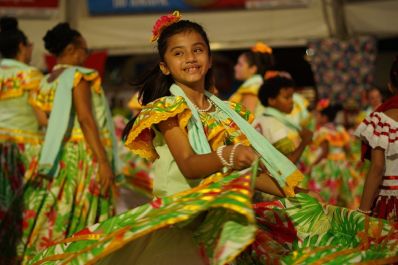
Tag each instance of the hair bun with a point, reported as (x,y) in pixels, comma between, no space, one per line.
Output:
(57,38)
(8,24)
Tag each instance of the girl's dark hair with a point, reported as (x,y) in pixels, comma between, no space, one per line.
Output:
(128,128)
(394,73)
(331,111)
(10,37)
(263,61)
(155,84)
(57,38)
(272,87)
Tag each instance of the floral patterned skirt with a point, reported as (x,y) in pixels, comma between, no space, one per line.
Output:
(15,160)
(338,182)
(136,172)
(300,230)
(217,214)
(57,207)
(227,229)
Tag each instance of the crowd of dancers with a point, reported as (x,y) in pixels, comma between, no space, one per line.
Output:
(259,179)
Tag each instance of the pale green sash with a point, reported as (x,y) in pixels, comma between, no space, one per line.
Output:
(254,80)
(277,164)
(270,111)
(60,121)
(14,63)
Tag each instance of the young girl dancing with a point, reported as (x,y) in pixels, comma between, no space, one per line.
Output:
(200,215)
(379,133)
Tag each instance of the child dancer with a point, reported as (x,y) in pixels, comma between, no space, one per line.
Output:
(192,134)
(379,133)
(331,174)
(276,94)
(251,68)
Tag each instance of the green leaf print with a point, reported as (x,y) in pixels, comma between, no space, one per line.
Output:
(309,213)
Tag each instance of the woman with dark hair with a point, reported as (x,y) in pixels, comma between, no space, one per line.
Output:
(251,68)
(19,130)
(379,135)
(77,162)
(202,212)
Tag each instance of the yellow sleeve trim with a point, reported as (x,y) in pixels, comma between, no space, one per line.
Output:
(141,135)
(293,181)
(238,95)
(93,78)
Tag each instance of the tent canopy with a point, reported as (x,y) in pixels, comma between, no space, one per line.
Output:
(234,29)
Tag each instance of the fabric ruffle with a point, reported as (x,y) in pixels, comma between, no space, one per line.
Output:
(141,135)
(337,137)
(93,77)
(378,130)
(227,229)
(250,87)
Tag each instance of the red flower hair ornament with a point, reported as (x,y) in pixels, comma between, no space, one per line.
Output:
(163,22)
(322,104)
(271,74)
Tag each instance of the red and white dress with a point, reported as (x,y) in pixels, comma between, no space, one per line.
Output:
(379,130)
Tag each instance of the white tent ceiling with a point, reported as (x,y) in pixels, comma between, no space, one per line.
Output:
(127,34)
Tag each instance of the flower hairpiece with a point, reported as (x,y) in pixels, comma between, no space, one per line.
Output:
(271,74)
(322,104)
(163,22)
(262,47)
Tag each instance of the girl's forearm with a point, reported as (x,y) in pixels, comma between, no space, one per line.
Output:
(371,188)
(200,166)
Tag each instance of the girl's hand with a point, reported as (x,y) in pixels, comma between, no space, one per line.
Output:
(306,136)
(106,176)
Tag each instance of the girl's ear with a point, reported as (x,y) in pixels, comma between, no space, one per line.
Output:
(391,88)
(21,47)
(69,49)
(271,102)
(253,69)
(163,67)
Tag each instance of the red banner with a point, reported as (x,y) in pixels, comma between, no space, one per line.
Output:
(29,3)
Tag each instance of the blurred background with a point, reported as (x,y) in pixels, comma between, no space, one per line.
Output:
(334,49)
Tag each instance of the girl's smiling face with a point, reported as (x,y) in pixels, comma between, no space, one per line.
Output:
(187,59)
